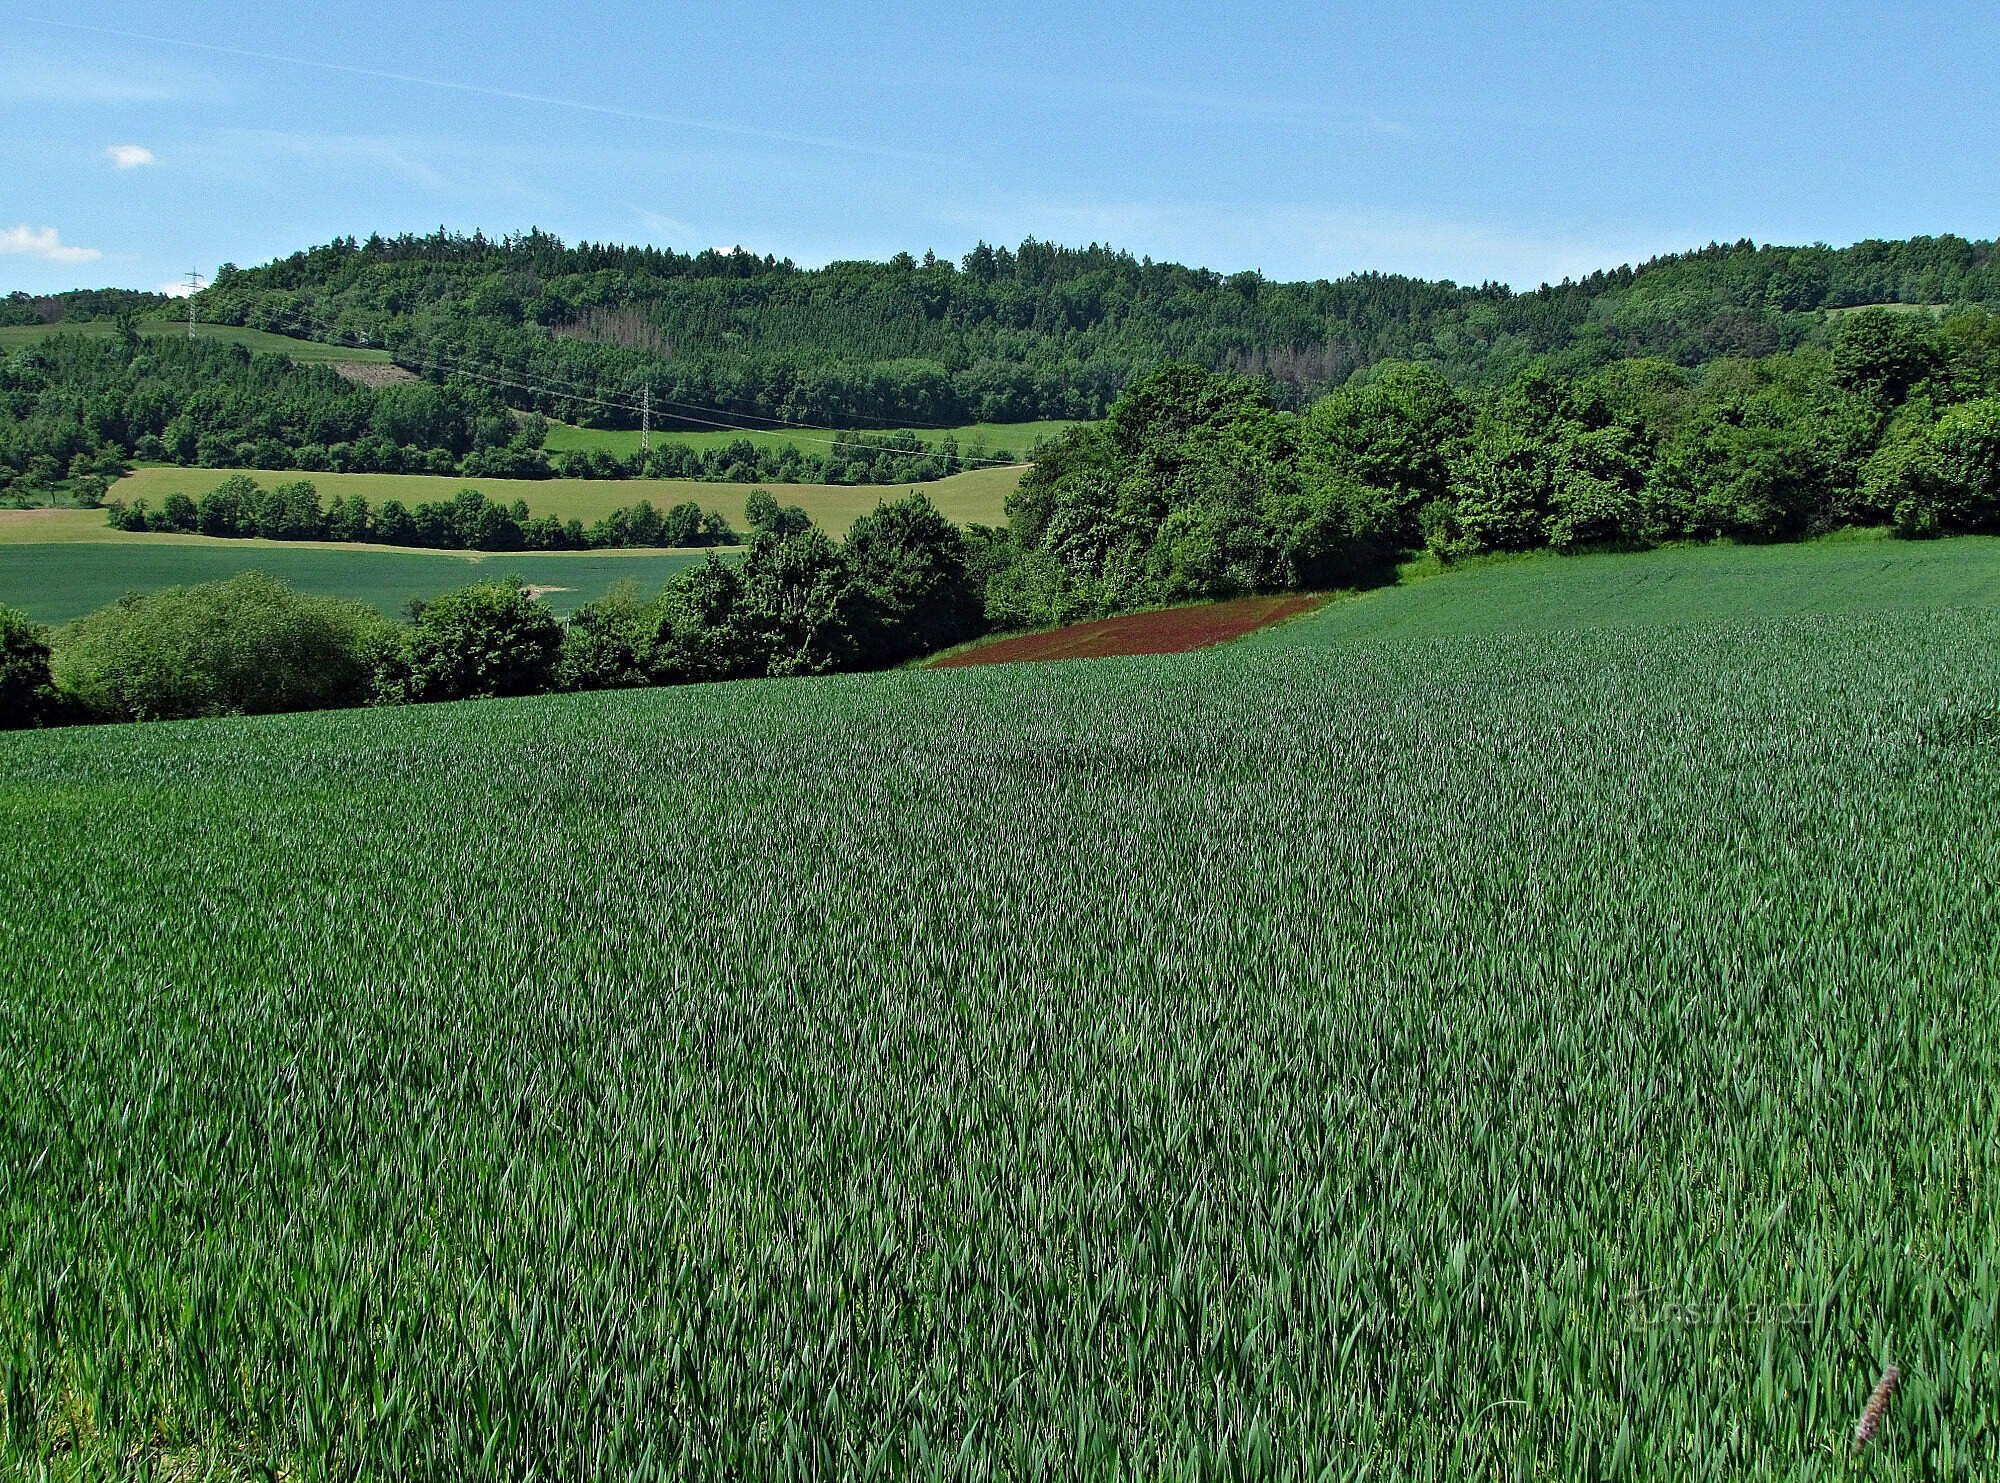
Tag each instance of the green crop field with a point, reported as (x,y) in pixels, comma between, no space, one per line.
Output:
(1018,438)
(978,496)
(1862,573)
(55,581)
(1558,1043)
(305,351)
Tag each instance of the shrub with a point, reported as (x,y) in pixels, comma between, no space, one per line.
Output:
(909,563)
(247,646)
(489,639)
(27,696)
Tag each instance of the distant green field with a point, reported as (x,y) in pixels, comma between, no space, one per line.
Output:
(55,583)
(308,351)
(977,496)
(1018,438)
(1680,586)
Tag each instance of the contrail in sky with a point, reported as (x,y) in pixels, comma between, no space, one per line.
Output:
(713,126)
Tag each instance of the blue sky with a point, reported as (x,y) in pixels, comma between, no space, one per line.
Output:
(1521,143)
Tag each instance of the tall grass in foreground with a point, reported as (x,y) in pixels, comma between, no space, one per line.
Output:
(1560,1056)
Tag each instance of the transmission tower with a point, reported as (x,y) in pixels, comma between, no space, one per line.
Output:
(646,419)
(193,281)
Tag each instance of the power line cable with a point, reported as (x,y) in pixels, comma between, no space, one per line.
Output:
(437,363)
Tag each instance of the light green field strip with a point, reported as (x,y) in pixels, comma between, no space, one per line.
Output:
(304,351)
(978,496)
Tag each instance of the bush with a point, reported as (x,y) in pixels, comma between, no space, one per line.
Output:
(489,639)
(27,696)
(917,594)
(1949,483)
(247,646)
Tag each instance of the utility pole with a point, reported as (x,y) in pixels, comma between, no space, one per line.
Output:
(193,287)
(646,419)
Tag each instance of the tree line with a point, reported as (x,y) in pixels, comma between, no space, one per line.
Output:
(1037,331)
(1198,485)
(294,511)
(797,603)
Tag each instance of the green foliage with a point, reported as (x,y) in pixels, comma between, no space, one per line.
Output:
(1034,331)
(1884,356)
(1197,486)
(107,400)
(916,593)
(247,646)
(293,511)
(489,639)
(766,516)
(1950,480)
(27,694)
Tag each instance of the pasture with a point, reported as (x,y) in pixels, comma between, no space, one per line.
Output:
(1557,1042)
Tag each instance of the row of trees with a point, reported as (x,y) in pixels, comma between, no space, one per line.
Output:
(845,458)
(798,603)
(239,506)
(1198,485)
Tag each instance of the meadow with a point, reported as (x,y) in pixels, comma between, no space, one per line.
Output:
(306,352)
(1560,1044)
(976,496)
(1018,438)
(56,565)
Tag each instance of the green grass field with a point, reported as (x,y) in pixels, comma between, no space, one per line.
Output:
(1018,438)
(55,581)
(1558,1040)
(1864,573)
(305,351)
(979,495)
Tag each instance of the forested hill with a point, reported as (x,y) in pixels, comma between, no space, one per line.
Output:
(1035,331)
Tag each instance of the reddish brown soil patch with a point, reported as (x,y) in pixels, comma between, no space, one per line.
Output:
(1167,631)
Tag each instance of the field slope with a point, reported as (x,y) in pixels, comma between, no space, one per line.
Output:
(1420,1053)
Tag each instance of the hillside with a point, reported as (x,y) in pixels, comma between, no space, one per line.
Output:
(1568,1057)
(1015,334)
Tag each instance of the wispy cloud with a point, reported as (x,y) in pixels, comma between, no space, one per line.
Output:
(129,156)
(45,243)
(177,289)
(670,227)
(1305,240)
(39,82)
(375,154)
(546,100)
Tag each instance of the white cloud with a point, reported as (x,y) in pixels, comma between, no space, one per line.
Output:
(129,156)
(45,243)
(178,289)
